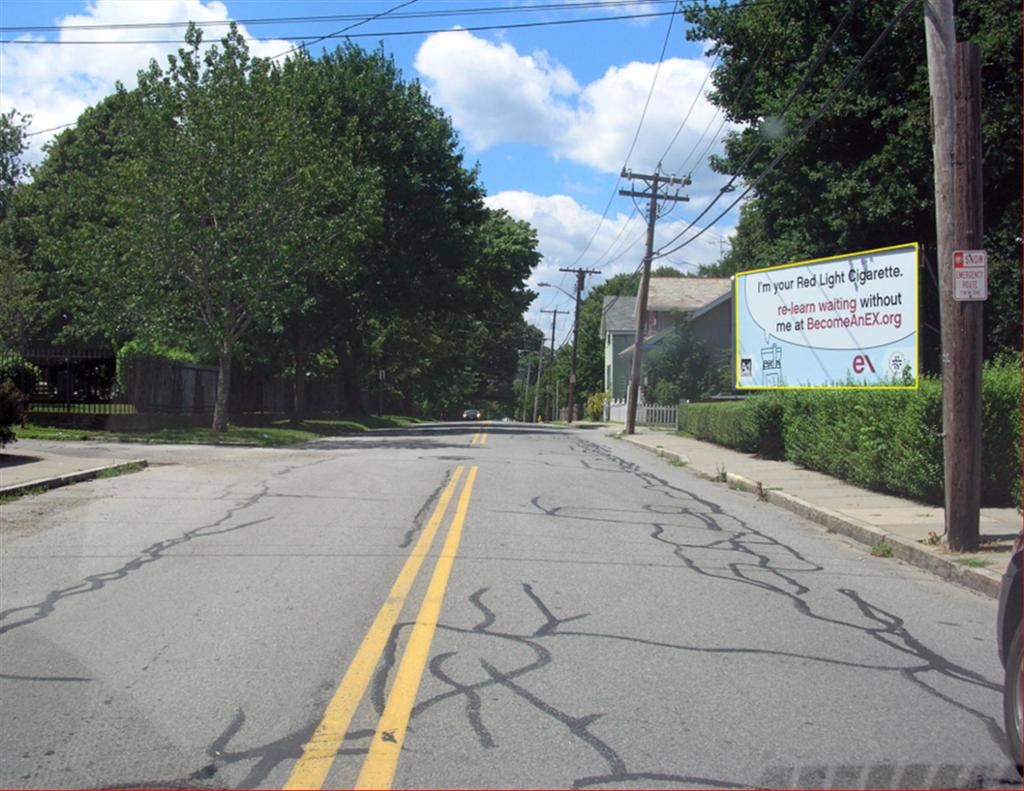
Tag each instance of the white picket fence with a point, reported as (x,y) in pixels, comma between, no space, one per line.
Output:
(646,414)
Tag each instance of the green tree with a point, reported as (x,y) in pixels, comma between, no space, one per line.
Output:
(13,145)
(861,177)
(234,195)
(20,306)
(418,254)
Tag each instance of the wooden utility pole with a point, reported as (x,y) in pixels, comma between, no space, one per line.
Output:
(581,275)
(540,365)
(954,82)
(962,349)
(526,388)
(653,181)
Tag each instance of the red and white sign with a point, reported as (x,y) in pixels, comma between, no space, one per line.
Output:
(970,275)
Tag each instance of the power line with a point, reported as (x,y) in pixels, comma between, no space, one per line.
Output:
(799,135)
(686,117)
(345,29)
(290,20)
(376,34)
(51,129)
(811,71)
(629,153)
(650,93)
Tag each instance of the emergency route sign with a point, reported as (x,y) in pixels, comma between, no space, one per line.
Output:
(970,275)
(843,321)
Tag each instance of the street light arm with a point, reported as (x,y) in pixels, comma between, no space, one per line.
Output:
(551,285)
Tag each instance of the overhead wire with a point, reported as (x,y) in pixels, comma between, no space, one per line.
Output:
(354,25)
(636,136)
(291,20)
(803,129)
(374,34)
(682,124)
(816,64)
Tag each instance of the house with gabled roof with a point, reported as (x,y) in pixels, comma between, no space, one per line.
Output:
(706,302)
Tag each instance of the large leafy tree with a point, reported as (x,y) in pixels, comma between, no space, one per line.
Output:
(444,361)
(235,194)
(429,211)
(862,176)
(312,218)
(20,306)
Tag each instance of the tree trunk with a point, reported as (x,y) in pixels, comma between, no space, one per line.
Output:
(220,408)
(299,391)
(351,368)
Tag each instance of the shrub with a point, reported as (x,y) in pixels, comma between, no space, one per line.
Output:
(139,367)
(724,423)
(664,392)
(595,405)
(139,349)
(886,440)
(13,407)
(764,417)
(1001,430)
(24,374)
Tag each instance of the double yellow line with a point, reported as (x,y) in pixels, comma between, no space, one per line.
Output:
(378,769)
(480,438)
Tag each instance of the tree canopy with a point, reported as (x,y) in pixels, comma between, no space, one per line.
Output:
(310,218)
(861,177)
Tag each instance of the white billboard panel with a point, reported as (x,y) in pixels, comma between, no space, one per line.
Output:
(844,321)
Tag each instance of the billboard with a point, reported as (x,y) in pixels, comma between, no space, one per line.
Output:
(845,321)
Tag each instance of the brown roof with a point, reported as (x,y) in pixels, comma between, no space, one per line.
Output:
(685,293)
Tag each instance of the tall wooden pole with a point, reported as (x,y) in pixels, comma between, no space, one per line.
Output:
(962,338)
(581,275)
(957,222)
(653,180)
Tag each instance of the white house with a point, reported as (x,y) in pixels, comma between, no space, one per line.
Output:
(618,327)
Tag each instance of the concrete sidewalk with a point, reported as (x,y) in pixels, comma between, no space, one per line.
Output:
(33,469)
(867,517)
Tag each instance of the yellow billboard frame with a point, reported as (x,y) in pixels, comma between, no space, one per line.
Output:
(917,320)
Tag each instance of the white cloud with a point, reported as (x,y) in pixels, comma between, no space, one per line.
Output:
(497,95)
(54,83)
(564,228)
(494,94)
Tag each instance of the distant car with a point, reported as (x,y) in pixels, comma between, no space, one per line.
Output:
(1008,636)
(471,414)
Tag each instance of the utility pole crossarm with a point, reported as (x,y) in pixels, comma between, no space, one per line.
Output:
(635,194)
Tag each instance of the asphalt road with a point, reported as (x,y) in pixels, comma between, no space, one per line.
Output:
(474,605)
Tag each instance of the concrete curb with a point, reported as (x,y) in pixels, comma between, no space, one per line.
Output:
(56,481)
(924,557)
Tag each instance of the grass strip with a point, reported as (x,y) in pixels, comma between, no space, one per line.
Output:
(277,433)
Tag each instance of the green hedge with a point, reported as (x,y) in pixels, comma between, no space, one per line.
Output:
(725,423)
(139,350)
(886,440)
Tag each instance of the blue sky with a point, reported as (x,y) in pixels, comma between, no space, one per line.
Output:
(548,112)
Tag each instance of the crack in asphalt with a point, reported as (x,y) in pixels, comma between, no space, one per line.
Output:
(765,563)
(421,517)
(775,564)
(150,554)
